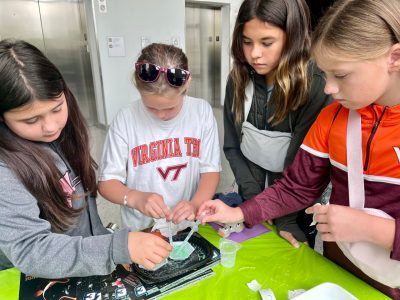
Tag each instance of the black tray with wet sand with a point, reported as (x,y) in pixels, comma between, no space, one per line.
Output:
(201,256)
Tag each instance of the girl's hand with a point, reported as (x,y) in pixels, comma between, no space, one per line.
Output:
(152,205)
(147,249)
(184,210)
(218,211)
(339,223)
(290,238)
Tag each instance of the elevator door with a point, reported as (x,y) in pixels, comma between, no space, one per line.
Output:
(58,28)
(203,49)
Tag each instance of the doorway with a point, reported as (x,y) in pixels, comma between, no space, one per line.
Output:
(203,49)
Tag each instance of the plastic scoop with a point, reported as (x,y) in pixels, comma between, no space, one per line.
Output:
(181,253)
(194,228)
(182,250)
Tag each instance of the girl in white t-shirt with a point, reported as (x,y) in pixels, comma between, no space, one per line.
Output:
(161,157)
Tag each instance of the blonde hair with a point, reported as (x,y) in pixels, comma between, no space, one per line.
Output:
(358,29)
(166,56)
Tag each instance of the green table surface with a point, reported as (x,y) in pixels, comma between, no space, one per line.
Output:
(267,258)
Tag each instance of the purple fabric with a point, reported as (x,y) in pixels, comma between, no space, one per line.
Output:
(246,234)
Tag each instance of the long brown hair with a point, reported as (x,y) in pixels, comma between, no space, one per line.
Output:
(27,75)
(291,78)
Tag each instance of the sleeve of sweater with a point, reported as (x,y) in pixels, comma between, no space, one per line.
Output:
(234,155)
(28,243)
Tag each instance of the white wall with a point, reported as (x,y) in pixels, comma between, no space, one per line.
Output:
(156,21)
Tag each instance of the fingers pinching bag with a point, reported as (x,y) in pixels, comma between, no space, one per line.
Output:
(372,259)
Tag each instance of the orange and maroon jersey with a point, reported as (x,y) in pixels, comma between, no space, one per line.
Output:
(322,158)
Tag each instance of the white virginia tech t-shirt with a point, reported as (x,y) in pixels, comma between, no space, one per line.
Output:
(165,157)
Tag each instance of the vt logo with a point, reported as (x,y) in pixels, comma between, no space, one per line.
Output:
(397,150)
(175,170)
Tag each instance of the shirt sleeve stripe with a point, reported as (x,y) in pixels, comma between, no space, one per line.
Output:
(314,152)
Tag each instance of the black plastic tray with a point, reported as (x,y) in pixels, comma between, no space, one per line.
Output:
(201,255)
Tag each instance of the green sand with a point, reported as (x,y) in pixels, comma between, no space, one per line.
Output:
(181,253)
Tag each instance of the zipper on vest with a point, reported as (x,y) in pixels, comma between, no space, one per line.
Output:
(371,136)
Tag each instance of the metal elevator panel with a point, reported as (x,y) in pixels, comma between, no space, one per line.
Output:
(203,49)
(58,28)
(20,19)
(65,42)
